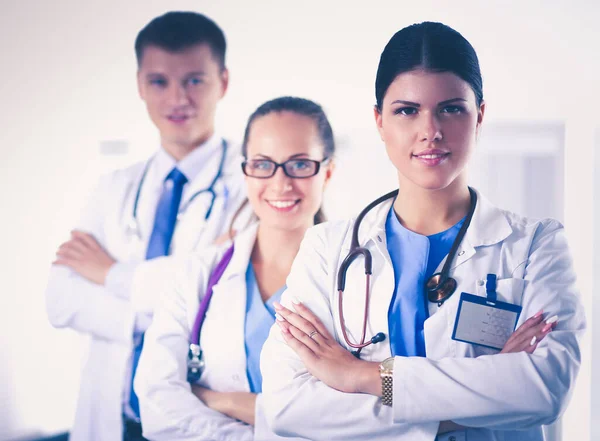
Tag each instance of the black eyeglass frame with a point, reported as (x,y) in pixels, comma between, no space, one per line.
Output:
(282,165)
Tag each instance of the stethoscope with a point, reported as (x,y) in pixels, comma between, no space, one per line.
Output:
(195,360)
(438,288)
(133,226)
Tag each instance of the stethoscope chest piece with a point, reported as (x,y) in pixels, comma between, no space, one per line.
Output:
(195,363)
(439,290)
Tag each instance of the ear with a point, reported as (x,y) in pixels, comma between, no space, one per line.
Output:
(378,121)
(329,172)
(224,78)
(480,115)
(140,86)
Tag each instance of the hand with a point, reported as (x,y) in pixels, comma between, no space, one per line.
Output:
(225,237)
(323,356)
(529,334)
(238,405)
(85,255)
(210,398)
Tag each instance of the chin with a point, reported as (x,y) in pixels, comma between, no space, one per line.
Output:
(433,183)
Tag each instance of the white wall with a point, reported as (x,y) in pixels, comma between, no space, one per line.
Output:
(67,84)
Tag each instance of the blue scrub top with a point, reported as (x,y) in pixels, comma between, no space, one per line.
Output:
(415,258)
(260,316)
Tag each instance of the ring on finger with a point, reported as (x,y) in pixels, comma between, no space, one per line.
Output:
(312,333)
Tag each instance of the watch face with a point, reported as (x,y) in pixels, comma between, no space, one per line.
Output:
(387,364)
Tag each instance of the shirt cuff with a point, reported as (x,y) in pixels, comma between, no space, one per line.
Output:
(120,278)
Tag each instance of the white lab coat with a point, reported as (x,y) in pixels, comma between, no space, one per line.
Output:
(109,314)
(169,410)
(502,397)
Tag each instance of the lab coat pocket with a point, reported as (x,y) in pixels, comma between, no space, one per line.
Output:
(508,290)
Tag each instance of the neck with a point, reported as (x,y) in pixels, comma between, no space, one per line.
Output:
(268,249)
(180,150)
(428,212)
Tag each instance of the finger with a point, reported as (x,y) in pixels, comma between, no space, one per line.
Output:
(298,322)
(306,313)
(64,262)
(69,252)
(76,244)
(294,318)
(310,342)
(297,346)
(550,323)
(85,238)
(530,322)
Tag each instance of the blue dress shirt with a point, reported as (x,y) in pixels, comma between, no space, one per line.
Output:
(415,258)
(260,316)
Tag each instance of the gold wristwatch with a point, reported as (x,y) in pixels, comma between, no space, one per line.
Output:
(386,372)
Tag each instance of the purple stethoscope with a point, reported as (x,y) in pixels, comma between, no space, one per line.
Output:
(195,361)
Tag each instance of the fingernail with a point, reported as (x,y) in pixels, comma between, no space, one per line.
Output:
(279,318)
(540,312)
(552,319)
(547,327)
(277,305)
(296,301)
(533,340)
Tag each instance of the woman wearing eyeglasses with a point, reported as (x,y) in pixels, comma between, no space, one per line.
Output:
(432,362)
(288,146)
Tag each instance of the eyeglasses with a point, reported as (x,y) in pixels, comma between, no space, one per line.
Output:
(293,168)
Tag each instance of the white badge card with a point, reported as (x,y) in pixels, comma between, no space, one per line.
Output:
(481,321)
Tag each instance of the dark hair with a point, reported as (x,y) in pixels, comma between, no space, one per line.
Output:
(303,107)
(430,46)
(179,30)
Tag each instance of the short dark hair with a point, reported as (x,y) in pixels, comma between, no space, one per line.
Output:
(432,47)
(303,107)
(179,30)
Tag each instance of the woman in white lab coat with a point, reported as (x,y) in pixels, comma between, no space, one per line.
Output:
(422,378)
(288,148)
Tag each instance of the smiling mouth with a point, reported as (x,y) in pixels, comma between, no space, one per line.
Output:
(432,155)
(283,205)
(178,118)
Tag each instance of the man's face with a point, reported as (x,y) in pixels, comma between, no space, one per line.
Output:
(181,91)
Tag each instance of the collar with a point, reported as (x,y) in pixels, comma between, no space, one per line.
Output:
(243,245)
(192,164)
(489,225)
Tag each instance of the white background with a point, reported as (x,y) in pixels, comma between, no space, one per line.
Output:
(68,84)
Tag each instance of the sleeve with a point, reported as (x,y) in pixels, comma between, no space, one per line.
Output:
(168,407)
(74,302)
(298,404)
(506,391)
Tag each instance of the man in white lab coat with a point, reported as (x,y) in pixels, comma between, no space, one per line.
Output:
(180,200)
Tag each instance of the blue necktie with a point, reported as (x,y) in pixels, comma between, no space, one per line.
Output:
(160,241)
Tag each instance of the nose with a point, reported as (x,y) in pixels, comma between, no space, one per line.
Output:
(431,130)
(178,95)
(280,181)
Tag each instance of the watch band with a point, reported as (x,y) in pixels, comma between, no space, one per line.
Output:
(387,389)
(386,372)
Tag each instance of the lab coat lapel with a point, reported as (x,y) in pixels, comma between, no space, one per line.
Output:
(223,331)
(489,226)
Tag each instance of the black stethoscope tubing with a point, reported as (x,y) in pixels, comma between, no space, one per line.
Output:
(439,287)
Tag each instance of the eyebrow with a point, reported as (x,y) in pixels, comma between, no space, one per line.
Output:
(441,103)
(187,75)
(297,155)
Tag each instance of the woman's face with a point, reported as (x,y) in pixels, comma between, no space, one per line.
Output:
(429,123)
(280,201)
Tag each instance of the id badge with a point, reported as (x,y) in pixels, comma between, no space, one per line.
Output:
(485,322)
